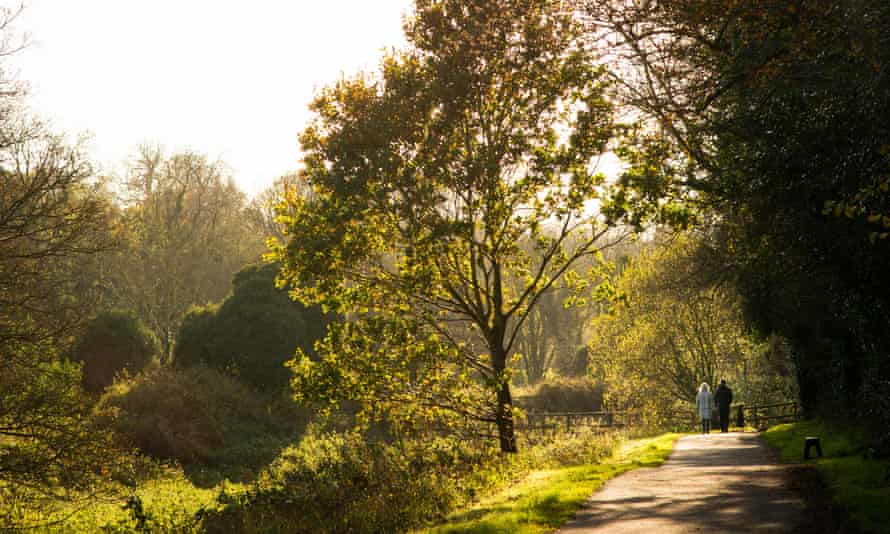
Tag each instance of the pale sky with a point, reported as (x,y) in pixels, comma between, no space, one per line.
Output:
(231,79)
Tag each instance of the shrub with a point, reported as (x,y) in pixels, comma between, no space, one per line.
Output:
(331,483)
(194,415)
(112,342)
(341,483)
(562,394)
(251,333)
(53,454)
(582,446)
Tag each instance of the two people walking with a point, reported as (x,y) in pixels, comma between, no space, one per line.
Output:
(705,401)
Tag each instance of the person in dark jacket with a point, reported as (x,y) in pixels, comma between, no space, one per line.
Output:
(723,398)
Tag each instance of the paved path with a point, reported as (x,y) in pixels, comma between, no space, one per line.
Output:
(714,483)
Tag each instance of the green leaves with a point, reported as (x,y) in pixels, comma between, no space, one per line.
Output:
(251,333)
(869,207)
(113,342)
(654,184)
(450,190)
(670,330)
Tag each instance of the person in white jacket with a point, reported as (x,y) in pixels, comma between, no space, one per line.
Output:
(703,403)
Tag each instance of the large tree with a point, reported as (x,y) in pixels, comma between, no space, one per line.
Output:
(48,217)
(426,175)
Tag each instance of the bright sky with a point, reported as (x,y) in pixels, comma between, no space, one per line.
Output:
(231,79)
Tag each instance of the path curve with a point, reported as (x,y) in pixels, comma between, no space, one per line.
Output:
(714,483)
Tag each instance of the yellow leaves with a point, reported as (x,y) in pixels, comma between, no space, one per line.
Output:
(860,206)
(574,301)
(575,281)
(873,237)
(879,218)
(836,211)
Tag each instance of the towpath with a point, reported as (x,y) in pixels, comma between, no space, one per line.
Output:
(715,483)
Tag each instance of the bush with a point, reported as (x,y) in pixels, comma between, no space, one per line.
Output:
(341,483)
(584,446)
(332,483)
(53,454)
(252,333)
(562,394)
(194,415)
(112,342)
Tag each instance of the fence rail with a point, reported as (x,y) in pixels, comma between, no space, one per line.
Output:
(572,420)
(761,415)
(756,415)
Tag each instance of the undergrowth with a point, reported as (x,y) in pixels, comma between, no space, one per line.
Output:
(339,483)
(332,482)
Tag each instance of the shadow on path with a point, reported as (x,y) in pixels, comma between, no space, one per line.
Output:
(714,483)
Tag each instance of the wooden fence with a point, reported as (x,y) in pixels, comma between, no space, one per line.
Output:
(756,415)
(573,420)
(764,415)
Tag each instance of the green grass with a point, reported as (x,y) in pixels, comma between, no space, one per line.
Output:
(170,500)
(545,500)
(535,491)
(857,483)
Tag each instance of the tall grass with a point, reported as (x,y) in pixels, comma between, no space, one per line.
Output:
(331,483)
(168,502)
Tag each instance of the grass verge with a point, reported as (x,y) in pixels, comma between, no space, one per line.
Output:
(168,502)
(547,499)
(859,484)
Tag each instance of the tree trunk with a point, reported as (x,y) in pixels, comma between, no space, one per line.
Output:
(504,418)
(504,410)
